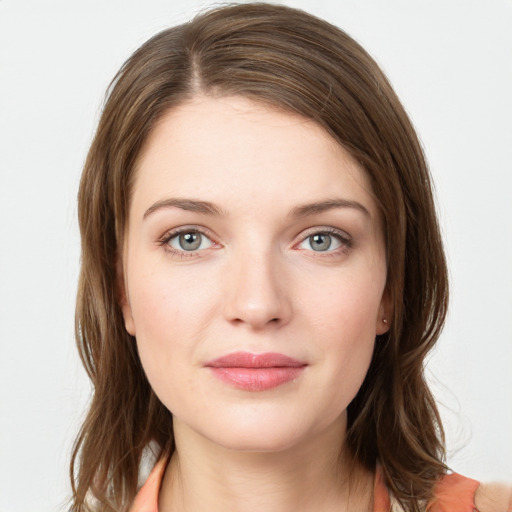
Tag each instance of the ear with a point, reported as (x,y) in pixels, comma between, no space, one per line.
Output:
(123,298)
(383,321)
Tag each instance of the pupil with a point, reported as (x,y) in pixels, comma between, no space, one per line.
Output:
(190,241)
(320,242)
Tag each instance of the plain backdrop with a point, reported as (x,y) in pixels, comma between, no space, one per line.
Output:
(451,64)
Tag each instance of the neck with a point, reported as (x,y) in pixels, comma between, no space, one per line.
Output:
(316,475)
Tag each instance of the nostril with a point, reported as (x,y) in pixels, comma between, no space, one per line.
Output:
(257,323)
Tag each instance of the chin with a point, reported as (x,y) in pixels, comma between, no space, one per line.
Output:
(263,430)
(260,441)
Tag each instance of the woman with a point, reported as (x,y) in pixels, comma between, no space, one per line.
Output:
(262,278)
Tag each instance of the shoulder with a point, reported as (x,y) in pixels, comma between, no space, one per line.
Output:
(147,497)
(494,497)
(455,492)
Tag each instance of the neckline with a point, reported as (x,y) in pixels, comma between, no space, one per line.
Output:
(147,497)
(453,492)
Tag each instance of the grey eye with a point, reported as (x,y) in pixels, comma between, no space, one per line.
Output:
(190,241)
(320,242)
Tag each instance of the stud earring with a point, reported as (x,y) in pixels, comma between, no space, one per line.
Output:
(384,321)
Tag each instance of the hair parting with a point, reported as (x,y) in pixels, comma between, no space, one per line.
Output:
(296,62)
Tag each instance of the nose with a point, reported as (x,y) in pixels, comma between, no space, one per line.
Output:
(257,292)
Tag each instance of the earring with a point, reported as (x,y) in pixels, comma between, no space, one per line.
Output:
(384,321)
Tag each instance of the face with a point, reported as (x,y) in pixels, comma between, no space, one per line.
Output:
(253,274)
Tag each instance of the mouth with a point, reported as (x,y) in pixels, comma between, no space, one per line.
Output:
(256,372)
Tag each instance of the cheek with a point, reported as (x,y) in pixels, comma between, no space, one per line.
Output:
(347,305)
(154,311)
(165,302)
(344,317)
(171,313)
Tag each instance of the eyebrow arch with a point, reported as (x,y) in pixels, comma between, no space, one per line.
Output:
(207,208)
(191,205)
(323,206)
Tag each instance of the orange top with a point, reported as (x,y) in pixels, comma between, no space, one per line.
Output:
(454,493)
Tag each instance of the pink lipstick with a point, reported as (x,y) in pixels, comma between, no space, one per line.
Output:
(255,372)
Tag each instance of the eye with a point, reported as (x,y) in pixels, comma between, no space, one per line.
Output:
(189,241)
(325,241)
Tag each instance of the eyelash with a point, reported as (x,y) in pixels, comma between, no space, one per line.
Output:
(344,239)
(167,237)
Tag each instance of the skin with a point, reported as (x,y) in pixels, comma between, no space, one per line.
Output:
(257,283)
(493,497)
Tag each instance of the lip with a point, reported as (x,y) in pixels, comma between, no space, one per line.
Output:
(256,372)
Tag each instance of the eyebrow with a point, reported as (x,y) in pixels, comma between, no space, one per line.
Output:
(191,205)
(323,206)
(207,208)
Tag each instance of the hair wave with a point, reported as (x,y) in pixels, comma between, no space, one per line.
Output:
(297,62)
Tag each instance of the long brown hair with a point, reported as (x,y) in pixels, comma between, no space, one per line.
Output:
(294,61)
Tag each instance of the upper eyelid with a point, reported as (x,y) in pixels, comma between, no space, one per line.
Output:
(165,239)
(171,233)
(305,233)
(345,240)
(323,229)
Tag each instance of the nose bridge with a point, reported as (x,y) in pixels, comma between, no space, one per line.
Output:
(256,294)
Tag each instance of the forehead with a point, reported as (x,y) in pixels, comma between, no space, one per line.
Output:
(236,150)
